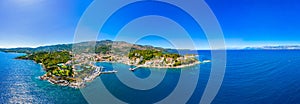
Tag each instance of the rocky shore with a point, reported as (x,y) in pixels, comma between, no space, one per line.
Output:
(62,82)
(74,84)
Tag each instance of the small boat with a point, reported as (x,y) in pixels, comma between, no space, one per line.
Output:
(206,61)
(131,69)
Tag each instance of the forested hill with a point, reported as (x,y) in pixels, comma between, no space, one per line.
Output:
(100,47)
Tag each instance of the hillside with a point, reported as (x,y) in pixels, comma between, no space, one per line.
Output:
(104,47)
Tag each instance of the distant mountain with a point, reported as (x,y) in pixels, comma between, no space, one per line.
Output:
(66,47)
(283,47)
(104,46)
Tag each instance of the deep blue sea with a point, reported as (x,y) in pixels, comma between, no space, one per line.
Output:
(251,77)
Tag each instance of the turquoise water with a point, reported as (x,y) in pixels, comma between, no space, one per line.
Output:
(251,77)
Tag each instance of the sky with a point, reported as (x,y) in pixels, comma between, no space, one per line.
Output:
(32,23)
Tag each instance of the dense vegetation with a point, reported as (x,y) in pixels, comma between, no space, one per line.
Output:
(51,62)
(150,54)
(103,49)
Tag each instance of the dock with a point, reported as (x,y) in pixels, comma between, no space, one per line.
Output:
(132,69)
(109,72)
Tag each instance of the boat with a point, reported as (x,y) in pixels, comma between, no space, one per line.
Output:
(131,69)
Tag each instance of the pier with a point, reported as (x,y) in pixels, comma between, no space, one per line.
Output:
(132,69)
(109,72)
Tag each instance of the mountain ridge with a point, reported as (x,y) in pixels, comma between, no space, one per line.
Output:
(88,45)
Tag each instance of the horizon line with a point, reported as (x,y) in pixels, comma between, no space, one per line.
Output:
(226,47)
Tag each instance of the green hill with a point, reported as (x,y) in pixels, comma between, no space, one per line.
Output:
(105,46)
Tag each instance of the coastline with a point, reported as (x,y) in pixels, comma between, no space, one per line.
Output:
(74,84)
(82,84)
(160,67)
(167,67)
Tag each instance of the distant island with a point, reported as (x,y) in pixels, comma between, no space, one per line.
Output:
(280,47)
(74,64)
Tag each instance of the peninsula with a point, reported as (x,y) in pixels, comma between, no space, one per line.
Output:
(65,66)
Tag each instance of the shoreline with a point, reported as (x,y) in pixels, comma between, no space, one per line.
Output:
(166,67)
(76,84)
(82,84)
(160,67)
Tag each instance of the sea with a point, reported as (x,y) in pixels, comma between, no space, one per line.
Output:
(251,77)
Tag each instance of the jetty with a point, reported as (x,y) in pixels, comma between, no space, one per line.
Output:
(109,72)
(132,69)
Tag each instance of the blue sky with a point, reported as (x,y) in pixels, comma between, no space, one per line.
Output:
(32,23)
